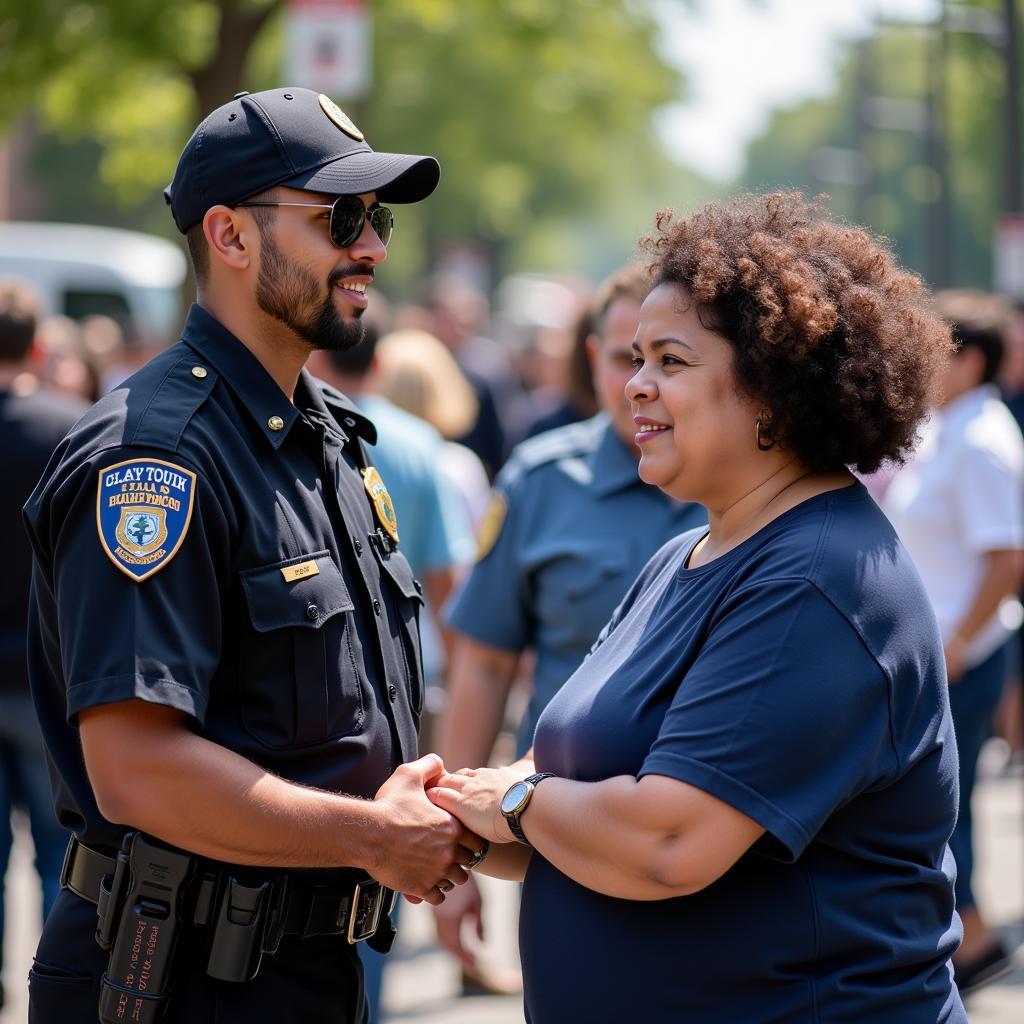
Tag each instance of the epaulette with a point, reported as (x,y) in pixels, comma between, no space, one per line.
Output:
(566,442)
(346,412)
(174,402)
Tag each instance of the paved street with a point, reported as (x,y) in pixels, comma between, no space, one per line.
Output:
(421,984)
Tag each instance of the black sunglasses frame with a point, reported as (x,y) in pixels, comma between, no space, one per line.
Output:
(345,231)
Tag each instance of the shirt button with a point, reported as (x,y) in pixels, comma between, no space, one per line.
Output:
(376,606)
(392,693)
(358,546)
(312,612)
(275,423)
(199,371)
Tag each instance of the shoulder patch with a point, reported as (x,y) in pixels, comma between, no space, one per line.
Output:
(143,510)
(491,524)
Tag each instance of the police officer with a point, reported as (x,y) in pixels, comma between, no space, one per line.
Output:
(569,528)
(224,651)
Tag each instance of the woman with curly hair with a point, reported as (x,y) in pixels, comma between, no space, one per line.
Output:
(737,809)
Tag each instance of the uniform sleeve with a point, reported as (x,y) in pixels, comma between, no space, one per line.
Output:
(784,714)
(990,500)
(493,606)
(156,638)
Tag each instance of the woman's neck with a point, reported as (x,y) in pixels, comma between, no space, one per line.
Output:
(786,487)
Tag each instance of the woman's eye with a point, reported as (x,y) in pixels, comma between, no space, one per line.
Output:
(636,362)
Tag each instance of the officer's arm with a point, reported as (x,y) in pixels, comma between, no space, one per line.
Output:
(478,686)
(150,771)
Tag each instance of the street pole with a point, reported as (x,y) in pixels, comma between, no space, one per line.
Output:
(937,217)
(1013,186)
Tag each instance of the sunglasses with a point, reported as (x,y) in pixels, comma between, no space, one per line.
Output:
(348,215)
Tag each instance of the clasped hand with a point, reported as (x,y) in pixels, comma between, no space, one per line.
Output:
(473,795)
(424,849)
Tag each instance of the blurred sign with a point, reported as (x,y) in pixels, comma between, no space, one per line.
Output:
(1009,255)
(327,46)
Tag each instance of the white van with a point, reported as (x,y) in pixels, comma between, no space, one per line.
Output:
(79,270)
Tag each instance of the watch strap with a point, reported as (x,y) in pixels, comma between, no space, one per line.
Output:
(514,824)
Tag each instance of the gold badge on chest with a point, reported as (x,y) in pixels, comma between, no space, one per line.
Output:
(382,503)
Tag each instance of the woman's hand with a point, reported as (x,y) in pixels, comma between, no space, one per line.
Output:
(473,795)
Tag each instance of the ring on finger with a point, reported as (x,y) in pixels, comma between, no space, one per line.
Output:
(478,856)
(445,885)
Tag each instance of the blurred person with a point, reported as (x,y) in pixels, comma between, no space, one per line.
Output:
(570,526)
(33,420)
(958,506)
(458,312)
(418,374)
(223,645)
(580,401)
(1010,712)
(738,806)
(63,362)
(436,535)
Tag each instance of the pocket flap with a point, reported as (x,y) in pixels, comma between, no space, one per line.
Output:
(277,602)
(396,565)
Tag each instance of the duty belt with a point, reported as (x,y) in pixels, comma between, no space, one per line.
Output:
(354,907)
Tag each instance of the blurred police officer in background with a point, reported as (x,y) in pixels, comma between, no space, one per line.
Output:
(570,526)
(224,650)
(32,422)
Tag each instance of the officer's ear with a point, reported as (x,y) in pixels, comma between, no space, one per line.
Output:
(593,346)
(230,236)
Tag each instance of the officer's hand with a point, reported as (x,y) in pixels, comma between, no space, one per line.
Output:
(461,905)
(422,848)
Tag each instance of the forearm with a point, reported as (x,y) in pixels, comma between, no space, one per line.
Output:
(592,833)
(478,688)
(1001,579)
(506,860)
(204,798)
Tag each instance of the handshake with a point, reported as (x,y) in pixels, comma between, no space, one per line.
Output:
(437,826)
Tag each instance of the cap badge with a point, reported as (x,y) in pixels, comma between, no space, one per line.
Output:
(381,501)
(339,117)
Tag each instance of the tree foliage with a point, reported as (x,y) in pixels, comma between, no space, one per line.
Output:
(892,184)
(536,109)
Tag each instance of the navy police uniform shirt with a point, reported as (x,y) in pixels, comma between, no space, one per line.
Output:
(201,542)
(800,679)
(570,526)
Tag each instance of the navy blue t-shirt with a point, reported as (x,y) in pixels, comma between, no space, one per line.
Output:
(799,678)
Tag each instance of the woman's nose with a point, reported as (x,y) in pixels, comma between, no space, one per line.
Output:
(638,389)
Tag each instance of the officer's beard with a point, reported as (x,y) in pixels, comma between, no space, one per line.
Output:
(290,293)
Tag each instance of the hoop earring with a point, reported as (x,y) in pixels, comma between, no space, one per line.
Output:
(761,446)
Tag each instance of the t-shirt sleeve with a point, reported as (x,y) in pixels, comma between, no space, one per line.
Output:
(152,632)
(493,606)
(784,714)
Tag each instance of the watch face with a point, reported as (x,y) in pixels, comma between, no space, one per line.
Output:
(513,799)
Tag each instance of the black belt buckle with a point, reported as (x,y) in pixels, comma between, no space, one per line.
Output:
(367,907)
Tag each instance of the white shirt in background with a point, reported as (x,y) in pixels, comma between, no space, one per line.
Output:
(960,495)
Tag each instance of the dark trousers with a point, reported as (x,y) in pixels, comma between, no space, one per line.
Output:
(309,981)
(972,702)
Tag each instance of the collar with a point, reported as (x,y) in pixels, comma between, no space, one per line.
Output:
(335,410)
(614,468)
(242,372)
(965,407)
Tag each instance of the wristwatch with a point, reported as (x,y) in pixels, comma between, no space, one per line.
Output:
(516,799)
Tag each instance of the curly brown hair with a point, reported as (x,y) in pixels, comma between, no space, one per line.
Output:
(839,343)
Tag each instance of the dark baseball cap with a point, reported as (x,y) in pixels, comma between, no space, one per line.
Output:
(292,137)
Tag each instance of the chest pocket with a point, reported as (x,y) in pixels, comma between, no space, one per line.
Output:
(406,598)
(576,588)
(298,670)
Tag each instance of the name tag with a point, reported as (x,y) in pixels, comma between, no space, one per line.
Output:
(291,573)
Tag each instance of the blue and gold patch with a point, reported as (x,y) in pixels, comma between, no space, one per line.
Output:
(143,508)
